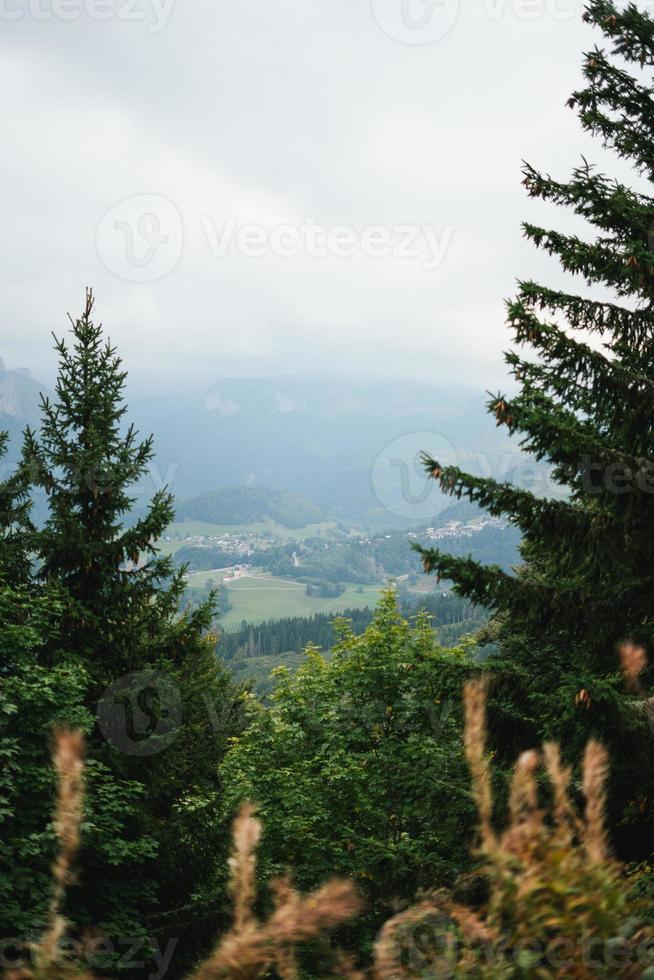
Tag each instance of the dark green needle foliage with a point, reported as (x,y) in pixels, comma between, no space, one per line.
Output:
(162,707)
(584,363)
(35,695)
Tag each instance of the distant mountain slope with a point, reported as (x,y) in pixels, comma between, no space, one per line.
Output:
(19,394)
(351,447)
(322,439)
(247,505)
(19,406)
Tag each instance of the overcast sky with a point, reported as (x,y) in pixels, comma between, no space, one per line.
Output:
(194,160)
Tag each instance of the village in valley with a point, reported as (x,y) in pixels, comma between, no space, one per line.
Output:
(459,529)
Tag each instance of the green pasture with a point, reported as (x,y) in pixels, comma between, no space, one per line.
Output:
(261,596)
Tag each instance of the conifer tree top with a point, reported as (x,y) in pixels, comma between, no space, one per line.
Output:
(585,403)
(88,460)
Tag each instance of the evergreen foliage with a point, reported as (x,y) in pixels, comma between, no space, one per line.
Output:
(35,695)
(150,835)
(586,406)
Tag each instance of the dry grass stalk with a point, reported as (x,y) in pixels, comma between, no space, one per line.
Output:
(242,864)
(250,948)
(595,769)
(522,876)
(242,956)
(567,822)
(286,963)
(633,658)
(347,969)
(68,759)
(396,937)
(474,699)
(526,819)
(535,868)
(473,929)
(523,798)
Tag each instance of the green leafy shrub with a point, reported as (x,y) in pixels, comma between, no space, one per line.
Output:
(358,766)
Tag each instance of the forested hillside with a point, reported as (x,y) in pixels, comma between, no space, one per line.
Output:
(247,505)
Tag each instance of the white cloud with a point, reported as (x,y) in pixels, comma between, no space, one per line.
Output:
(272,113)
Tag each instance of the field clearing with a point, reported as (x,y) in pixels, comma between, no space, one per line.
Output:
(199,580)
(261,596)
(179,531)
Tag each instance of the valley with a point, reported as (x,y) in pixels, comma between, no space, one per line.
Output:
(331,546)
(258,597)
(279,588)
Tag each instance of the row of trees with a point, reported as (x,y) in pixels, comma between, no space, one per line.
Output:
(293,634)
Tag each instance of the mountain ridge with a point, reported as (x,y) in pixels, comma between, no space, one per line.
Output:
(249,505)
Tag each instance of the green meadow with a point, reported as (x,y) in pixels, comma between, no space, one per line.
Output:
(261,596)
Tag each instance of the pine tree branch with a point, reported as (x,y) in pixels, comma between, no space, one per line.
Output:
(559,436)
(628,131)
(627,267)
(528,512)
(587,314)
(606,203)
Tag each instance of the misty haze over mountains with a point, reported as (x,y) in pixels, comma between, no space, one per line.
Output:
(350,447)
(342,445)
(19,399)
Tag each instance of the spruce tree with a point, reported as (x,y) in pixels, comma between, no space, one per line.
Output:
(163,708)
(88,463)
(35,696)
(15,524)
(585,406)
